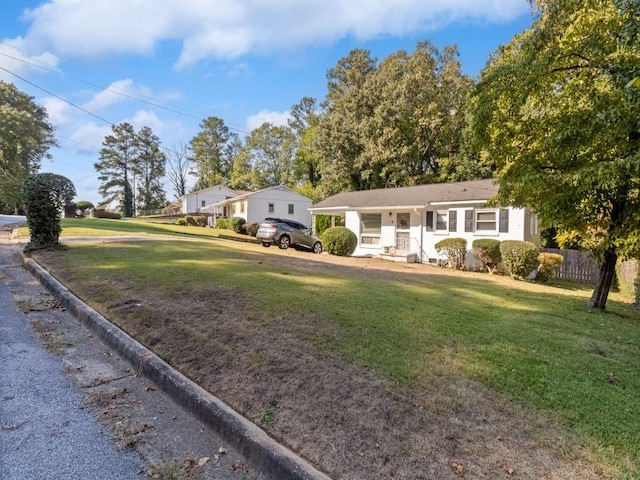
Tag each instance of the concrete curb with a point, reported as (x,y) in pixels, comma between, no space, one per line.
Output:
(264,453)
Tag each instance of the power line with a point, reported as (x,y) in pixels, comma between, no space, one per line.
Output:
(114,91)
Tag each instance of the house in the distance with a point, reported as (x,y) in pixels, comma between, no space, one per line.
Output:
(406,223)
(254,207)
(193,202)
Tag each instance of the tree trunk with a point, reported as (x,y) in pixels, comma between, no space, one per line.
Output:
(605,279)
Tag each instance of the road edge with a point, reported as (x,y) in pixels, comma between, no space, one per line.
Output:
(263,452)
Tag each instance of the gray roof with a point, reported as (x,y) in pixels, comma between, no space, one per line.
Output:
(417,196)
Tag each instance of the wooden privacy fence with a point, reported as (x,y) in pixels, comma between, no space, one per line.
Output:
(577,266)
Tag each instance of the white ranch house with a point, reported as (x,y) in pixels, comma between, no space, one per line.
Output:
(404,224)
(193,203)
(254,207)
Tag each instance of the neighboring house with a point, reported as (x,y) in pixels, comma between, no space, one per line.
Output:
(193,202)
(407,222)
(254,207)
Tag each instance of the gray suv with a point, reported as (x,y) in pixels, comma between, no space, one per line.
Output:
(287,233)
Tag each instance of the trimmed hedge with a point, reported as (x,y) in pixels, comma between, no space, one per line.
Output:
(223,224)
(102,213)
(519,257)
(487,252)
(181,221)
(200,220)
(44,196)
(547,264)
(237,224)
(339,241)
(455,249)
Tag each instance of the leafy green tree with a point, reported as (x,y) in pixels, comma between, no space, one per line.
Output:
(117,167)
(304,124)
(392,124)
(552,109)
(150,169)
(241,176)
(271,149)
(339,140)
(44,196)
(213,151)
(419,114)
(25,138)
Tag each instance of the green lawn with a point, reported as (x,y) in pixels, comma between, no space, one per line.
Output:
(537,344)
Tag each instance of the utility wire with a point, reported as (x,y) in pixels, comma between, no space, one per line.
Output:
(59,97)
(116,92)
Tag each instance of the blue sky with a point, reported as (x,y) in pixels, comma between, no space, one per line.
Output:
(168,64)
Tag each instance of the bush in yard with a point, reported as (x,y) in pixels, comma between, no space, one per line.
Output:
(190,220)
(102,213)
(200,220)
(223,223)
(251,228)
(339,241)
(487,252)
(83,206)
(520,258)
(44,196)
(181,221)
(455,249)
(547,264)
(237,224)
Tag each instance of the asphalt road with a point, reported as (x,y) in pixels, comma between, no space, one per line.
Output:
(44,431)
(12,220)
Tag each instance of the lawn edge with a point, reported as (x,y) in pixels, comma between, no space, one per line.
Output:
(263,452)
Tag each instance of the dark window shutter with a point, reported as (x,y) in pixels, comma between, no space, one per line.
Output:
(453,220)
(503,226)
(429,225)
(468,220)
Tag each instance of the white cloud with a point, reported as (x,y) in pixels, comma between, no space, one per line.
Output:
(223,29)
(13,60)
(119,91)
(265,116)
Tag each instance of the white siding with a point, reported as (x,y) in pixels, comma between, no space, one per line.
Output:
(193,202)
(422,241)
(257,208)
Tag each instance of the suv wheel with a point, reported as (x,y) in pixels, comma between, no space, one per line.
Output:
(284,242)
(317,247)
(265,244)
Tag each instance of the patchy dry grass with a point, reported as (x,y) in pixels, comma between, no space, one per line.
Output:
(383,371)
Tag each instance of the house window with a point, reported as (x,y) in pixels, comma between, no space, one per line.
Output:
(291,209)
(486,221)
(429,221)
(404,221)
(202,203)
(271,208)
(370,228)
(241,207)
(441,220)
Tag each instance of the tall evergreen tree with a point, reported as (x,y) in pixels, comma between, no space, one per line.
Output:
(213,150)
(150,169)
(117,167)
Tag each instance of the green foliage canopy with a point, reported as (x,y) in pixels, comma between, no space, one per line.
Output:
(213,151)
(25,138)
(551,109)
